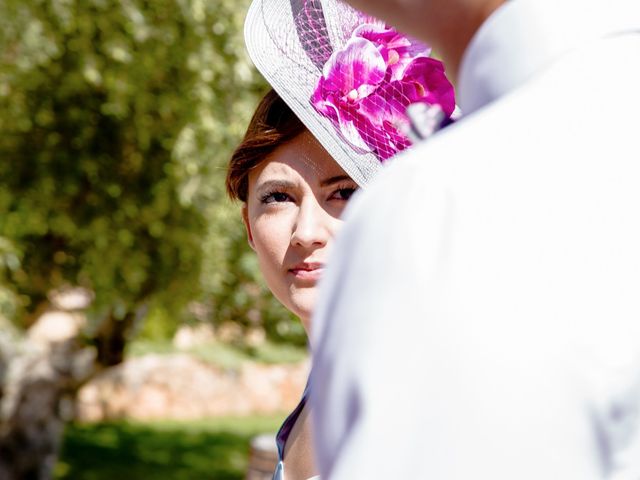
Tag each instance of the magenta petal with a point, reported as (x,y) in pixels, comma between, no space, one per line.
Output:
(373,135)
(367,86)
(377,33)
(397,139)
(389,38)
(374,107)
(327,108)
(396,106)
(400,92)
(378,110)
(359,63)
(386,111)
(429,73)
(414,49)
(397,50)
(319,96)
(325,103)
(348,125)
(407,54)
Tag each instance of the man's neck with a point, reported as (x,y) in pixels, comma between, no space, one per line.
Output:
(457,32)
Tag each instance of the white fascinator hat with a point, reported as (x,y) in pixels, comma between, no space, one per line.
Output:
(348,77)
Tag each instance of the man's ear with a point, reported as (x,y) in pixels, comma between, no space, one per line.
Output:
(245,219)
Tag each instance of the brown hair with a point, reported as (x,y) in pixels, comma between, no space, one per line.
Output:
(272,125)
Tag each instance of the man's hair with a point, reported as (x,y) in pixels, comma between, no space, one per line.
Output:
(272,125)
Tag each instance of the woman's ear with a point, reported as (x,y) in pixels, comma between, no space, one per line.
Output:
(247,225)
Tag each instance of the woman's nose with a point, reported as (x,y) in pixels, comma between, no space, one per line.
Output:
(312,226)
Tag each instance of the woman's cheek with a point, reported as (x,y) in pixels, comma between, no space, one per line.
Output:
(273,237)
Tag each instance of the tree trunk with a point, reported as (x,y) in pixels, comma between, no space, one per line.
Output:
(112,338)
(38,382)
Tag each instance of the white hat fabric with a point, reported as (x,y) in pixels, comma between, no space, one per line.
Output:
(294,43)
(274,34)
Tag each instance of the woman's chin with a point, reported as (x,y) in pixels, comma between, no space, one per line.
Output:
(302,304)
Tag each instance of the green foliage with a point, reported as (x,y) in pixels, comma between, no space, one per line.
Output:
(159,325)
(94,95)
(204,449)
(118,118)
(224,355)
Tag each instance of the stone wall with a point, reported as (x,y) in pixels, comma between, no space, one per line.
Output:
(179,386)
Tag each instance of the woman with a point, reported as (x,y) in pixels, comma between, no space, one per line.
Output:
(293,193)
(295,177)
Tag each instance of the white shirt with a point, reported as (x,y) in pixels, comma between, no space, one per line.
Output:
(480,318)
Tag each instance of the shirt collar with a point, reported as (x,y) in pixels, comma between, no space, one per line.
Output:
(523,37)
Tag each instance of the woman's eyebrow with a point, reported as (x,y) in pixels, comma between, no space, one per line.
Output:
(276,185)
(335,179)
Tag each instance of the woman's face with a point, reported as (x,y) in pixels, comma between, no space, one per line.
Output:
(294,202)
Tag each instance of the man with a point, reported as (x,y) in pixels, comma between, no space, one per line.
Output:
(481,318)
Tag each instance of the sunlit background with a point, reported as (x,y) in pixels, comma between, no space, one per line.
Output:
(136,337)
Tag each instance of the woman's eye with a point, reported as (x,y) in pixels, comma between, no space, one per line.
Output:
(344,193)
(276,197)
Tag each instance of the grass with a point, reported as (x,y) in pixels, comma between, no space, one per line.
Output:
(169,450)
(222,354)
(173,450)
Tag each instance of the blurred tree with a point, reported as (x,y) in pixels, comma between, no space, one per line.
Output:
(93,95)
(117,119)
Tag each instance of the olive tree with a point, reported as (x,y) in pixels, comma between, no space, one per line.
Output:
(117,118)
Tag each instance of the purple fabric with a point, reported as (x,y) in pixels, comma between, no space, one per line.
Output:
(312,30)
(287,426)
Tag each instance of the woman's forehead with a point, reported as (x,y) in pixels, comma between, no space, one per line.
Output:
(302,156)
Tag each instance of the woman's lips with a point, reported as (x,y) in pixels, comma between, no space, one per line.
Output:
(307,271)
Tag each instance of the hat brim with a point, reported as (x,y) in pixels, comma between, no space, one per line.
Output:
(275,48)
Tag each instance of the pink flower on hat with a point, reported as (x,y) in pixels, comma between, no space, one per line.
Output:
(366,87)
